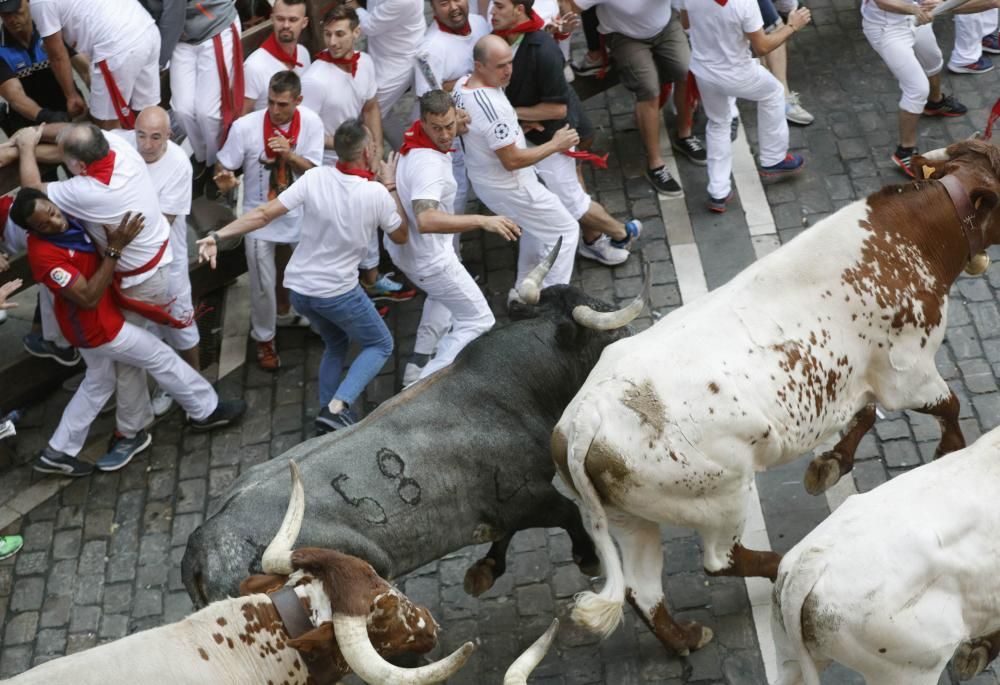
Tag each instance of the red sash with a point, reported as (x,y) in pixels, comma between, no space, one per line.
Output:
(232,95)
(155,313)
(464,31)
(272,47)
(599,161)
(5,203)
(535,23)
(692,95)
(325,56)
(126,117)
(415,138)
(994,115)
(354,171)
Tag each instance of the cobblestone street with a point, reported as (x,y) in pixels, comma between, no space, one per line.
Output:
(101,557)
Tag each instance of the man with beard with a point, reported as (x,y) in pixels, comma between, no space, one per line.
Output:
(544,103)
(427,193)
(274,147)
(280,52)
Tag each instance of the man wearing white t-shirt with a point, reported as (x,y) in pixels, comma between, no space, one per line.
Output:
(280,52)
(124,48)
(427,192)
(274,146)
(170,171)
(447,48)
(721,36)
(395,29)
(500,164)
(344,210)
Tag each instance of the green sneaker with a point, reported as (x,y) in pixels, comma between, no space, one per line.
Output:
(10,545)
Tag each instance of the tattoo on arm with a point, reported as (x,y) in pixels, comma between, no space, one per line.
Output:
(420,206)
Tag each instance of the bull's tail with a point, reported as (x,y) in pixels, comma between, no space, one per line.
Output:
(793,587)
(600,612)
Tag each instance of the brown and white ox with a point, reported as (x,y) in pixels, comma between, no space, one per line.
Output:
(356,616)
(672,423)
(893,581)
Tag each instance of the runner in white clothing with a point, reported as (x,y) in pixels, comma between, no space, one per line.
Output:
(274,147)
(123,44)
(974,35)
(395,29)
(721,35)
(427,192)
(345,211)
(500,164)
(280,52)
(447,50)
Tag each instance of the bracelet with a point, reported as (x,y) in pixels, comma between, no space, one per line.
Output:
(112,253)
(214,235)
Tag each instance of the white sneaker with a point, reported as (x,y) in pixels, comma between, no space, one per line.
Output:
(161,401)
(569,73)
(601,250)
(292,319)
(795,112)
(411,374)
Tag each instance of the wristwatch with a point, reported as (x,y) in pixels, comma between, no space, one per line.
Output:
(214,235)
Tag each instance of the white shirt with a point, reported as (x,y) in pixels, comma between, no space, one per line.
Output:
(719,44)
(639,19)
(245,147)
(336,96)
(449,55)
(345,212)
(99,28)
(874,15)
(260,66)
(130,190)
(395,28)
(423,174)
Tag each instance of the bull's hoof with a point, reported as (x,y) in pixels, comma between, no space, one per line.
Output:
(480,577)
(971,659)
(696,636)
(822,474)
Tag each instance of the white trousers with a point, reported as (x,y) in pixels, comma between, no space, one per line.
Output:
(196,94)
(543,220)
(137,75)
(453,301)
(969,32)
(263,278)
(372,256)
(912,54)
(136,348)
(718,93)
(394,76)
(179,289)
(558,173)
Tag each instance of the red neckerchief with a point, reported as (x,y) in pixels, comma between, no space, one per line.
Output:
(722,2)
(325,56)
(536,23)
(464,31)
(415,138)
(101,169)
(354,171)
(272,46)
(270,131)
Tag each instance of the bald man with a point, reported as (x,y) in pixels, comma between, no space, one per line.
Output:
(500,164)
(171,172)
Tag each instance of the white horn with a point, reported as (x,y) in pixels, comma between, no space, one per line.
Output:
(938,155)
(360,655)
(278,555)
(589,317)
(519,671)
(531,287)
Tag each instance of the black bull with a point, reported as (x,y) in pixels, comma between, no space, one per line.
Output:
(458,459)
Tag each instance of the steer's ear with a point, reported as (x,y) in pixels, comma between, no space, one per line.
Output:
(262,584)
(927,168)
(984,201)
(317,638)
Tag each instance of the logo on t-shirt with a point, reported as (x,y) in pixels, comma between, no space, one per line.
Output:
(501,130)
(60,277)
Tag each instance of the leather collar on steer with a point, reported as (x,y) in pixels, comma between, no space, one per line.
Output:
(966,214)
(320,663)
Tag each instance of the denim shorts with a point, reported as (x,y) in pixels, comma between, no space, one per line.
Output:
(769,14)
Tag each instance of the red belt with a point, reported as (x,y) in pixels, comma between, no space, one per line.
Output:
(122,110)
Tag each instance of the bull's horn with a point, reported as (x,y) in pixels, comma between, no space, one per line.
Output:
(360,655)
(278,555)
(531,287)
(938,155)
(589,317)
(519,671)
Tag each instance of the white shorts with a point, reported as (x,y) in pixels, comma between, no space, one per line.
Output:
(912,54)
(137,74)
(558,173)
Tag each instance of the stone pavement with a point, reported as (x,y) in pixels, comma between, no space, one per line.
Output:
(101,556)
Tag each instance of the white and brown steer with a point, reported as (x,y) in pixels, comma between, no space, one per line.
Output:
(672,423)
(354,615)
(893,581)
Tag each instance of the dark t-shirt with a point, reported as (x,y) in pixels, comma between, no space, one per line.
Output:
(31,66)
(538,77)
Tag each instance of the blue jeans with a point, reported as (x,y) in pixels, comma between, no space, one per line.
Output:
(339,321)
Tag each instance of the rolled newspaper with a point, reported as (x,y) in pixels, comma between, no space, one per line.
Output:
(947,6)
(426,71)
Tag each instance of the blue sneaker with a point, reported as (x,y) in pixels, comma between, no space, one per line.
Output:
(384,288)
(122,450)
(59,463)
(717,205)
(327,421)
(947,106)
(633,229)
(35,345)
(980,66)
(789,165)
(991,44)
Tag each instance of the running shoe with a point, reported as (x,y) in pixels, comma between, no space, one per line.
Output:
(947,106)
